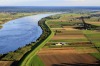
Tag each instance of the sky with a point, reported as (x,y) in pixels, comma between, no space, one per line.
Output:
(49,2)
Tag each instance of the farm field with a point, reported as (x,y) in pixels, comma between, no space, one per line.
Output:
(67,34)
(94,23)
(67,56)
(64,29)
(93,36)
(71,46)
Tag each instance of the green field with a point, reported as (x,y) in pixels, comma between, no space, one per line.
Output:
(36,61)
(97,55)
(94,37)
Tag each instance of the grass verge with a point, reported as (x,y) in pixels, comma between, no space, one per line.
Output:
(96,55)
(36,61)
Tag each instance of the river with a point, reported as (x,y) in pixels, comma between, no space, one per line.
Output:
(19,32)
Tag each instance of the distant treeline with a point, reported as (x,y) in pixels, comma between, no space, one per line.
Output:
(44,9)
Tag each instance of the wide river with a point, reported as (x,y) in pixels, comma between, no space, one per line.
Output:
(19,32)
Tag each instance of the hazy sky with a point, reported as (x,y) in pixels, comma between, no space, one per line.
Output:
(49,2)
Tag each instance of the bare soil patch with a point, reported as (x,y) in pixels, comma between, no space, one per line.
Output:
(58,37)
(62,33)
(57,20)
(69,28)
(66,28)
(94,23)
(6,63)
(65,57)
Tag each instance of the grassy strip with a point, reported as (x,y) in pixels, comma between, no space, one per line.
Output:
(69,40)
(96,55)
(27,58)
(36,61)
(94,38)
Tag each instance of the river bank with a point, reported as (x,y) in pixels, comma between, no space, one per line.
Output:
(7,16)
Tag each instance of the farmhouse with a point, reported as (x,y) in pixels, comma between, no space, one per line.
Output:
(60,43)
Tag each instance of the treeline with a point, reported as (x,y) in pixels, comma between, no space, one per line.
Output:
(46,30)
(85,25)
(46,9)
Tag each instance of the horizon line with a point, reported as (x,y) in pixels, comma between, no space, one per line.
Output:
(49,6)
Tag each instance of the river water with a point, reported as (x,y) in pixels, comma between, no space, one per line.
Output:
(19,32)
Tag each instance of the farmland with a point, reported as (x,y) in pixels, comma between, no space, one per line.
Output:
(71,41)
(66,56)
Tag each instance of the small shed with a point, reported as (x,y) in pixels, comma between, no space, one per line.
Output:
(58,44)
